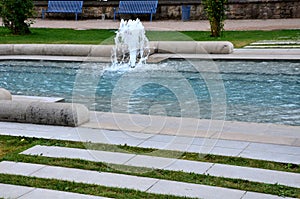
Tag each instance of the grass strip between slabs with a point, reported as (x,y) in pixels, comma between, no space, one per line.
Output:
(11,147)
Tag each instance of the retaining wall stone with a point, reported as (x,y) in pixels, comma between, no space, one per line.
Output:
(63,114)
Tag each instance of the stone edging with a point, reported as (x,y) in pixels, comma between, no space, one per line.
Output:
(64,114)
(186,47)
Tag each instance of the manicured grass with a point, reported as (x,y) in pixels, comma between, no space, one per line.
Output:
(11,146)
(57,36)
(70,36)
(242,38)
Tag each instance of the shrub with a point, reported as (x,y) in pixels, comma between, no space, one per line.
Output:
(215,10)
(15,15)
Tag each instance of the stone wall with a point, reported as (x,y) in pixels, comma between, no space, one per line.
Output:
(167,9)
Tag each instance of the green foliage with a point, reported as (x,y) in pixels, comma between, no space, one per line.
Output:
(15,15)
(215,10)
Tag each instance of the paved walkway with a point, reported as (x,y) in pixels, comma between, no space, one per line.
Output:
(145,184)
(197,144)
(171,164)
(174,25)
(257,150)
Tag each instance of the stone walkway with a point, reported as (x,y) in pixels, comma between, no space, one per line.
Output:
(218,170)
(173,25)
(148,185)
(264,151)
(23,192)
(216,146)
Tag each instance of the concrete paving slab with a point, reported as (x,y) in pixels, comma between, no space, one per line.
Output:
(124,181)
(84,154)
(219,170)
(150,162)
(253,195)
(214,150)
(230,144)
(169,164)
(189,166)
(147,140)
(23,192)
(79,175)
(50,194)
(194,190)
(13,191)
(122,141)
(172,139)
(120,158)
(274,149)
(25,133)
(35,127)
(270,156)
(19,168)
(255,175)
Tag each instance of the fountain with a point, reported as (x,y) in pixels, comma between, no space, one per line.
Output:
(131,44)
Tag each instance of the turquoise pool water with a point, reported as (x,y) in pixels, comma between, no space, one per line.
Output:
(255,91)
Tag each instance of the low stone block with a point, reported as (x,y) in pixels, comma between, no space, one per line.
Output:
(5,94)
(186,47)
(223,47)
(6,49)
(193,47)
(63,114)
(101,51)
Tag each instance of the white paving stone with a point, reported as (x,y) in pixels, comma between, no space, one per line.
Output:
(253,195)
(169,164)
(120,158)
(189,166)
(19,168)
(79,175)
(219,170)
(270,152)
(220,143)
(255,175)
(23,192)
(270,156)
(50,194)
(194,190)
(26,133)
(274,148)
(153,144)
(214,150)
(125,181)
(85,154)
(13,191)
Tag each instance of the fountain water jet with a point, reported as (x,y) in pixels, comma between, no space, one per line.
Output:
(130,39)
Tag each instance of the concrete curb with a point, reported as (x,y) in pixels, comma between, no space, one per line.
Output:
(63,114)
(185,47)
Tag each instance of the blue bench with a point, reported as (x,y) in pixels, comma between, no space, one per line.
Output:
(64,7)
(136,7)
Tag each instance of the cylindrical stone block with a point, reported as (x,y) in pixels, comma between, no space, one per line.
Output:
(5,94)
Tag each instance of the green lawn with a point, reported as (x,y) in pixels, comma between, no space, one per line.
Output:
(70,36)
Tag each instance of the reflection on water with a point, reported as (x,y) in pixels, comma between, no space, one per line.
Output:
(255,91)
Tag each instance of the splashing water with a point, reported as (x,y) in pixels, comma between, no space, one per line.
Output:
(131,44)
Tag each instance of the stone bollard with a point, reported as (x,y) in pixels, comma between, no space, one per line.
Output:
(5,94)
(63,114)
